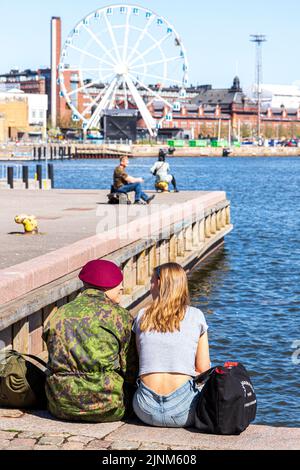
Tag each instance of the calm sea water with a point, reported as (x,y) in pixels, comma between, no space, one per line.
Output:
(249,291)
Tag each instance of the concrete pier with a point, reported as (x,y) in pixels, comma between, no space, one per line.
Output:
(32,184)
(82,151)
(39,272)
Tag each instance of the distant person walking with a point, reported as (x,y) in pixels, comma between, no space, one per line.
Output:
(161,169)
(124,183)
(172,343)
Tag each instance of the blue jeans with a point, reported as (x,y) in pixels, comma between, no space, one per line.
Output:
(137,188)
(176,410)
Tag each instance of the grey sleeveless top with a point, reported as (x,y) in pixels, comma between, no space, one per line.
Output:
(170,352)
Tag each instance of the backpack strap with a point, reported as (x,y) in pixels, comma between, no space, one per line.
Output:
(157,169)
(31,356)
(204,376)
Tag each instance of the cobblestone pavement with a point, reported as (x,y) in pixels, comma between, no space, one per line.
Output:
(30,440)
(38,430)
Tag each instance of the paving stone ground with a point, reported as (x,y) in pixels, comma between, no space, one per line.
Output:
(80,211)
(40,431)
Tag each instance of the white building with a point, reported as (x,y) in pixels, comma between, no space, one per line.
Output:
(276,96)
(37,109)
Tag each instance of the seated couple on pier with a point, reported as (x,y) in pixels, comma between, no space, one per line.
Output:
(107,367)
(124,183)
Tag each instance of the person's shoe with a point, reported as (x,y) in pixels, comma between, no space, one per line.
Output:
(140,202)
(150,199)
(176,190)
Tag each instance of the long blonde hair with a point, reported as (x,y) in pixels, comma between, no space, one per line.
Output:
(166,312)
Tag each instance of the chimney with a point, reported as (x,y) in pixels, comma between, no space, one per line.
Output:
(55,59)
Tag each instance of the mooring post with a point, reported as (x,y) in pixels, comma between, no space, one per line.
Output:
(39,174)
(51,174)
(10,176)
(25,176)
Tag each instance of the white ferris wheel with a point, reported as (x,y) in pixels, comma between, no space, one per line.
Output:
(123,56)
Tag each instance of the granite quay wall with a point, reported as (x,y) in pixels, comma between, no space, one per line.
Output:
(184,232)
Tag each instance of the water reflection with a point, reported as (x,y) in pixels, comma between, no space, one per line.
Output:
(207,280)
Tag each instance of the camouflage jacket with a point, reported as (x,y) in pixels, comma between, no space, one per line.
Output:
(93,359)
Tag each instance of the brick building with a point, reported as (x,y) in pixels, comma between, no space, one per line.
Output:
(227,113)
(78,99)
(29,81)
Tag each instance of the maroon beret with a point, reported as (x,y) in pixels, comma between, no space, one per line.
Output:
(101,273)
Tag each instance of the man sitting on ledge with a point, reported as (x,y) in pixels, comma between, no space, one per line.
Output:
(123,183)
(92,352)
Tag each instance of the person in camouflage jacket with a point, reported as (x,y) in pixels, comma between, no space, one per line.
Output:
(92,352)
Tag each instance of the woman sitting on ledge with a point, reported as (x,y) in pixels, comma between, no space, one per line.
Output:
(172,343)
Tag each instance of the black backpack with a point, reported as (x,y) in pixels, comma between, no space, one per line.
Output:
(227,403)
(117,198)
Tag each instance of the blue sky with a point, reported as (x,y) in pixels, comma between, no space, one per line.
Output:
(215,34)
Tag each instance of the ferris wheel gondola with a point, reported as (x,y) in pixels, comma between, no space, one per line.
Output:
(121,56)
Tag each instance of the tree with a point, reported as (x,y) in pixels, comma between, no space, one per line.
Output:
(203,129)
(245,130)
(269,131)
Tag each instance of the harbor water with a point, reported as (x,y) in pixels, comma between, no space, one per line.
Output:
(249,290)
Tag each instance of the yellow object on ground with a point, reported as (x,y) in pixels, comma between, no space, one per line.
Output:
(29,223)
(162,186)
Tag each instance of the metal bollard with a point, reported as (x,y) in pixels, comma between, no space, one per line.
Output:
(51,174)
(10,176)
(39,174)
(25,176)
(39,153)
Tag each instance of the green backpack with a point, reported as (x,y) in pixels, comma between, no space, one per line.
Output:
(22,383)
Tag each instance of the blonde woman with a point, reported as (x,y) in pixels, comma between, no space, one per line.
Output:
(172,343)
